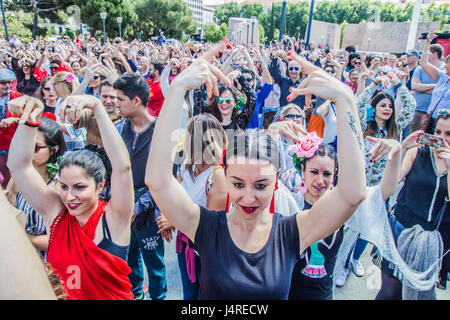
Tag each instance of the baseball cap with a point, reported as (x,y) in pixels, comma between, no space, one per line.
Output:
(7,75)
(413,52)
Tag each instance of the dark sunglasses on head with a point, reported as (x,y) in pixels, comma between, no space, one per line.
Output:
(227,100)
(294,68)
(294,116)
(98,77)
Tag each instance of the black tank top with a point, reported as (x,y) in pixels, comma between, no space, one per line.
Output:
(423,194)
(107,244)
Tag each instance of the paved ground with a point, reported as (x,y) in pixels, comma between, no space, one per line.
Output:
(364,288)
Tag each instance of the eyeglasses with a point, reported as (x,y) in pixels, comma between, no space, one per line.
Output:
(38,147)
(228,100)
(294,68)
(98,77)
(294,116)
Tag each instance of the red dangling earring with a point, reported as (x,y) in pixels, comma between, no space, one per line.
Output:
(227,206)
(272,202)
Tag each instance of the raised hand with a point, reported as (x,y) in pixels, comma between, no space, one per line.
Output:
(72,106)
(444,154)
(383,147)
(29,109)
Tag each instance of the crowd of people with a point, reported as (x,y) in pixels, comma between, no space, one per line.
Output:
(272,167)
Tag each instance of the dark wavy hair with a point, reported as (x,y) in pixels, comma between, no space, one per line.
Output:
(54,137)
(391,126)
(213,106)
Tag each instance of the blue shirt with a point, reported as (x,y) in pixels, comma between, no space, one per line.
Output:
(423,100)
(440,98)
(260,97)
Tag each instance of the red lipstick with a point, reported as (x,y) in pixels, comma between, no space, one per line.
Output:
(249,209)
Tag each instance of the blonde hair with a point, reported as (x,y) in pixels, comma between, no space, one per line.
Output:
(292,106)
(67,86)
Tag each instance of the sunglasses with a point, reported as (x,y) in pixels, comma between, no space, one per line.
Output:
(54,68)
(357,62)
(98,77)
(226,100)
(46,89)
(294,116)
(5,82)
(38,147)
(329,71)
(294,68)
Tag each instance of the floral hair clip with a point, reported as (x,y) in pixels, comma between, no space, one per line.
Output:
(53,168)
(240,104)
(303,148)
(370,113)
(69,78)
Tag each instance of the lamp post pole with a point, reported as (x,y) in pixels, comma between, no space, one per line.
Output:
(283,16)
(4,20)
(309,24)
(119,21)
(103,16)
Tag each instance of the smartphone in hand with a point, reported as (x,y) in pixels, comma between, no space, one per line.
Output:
(430,140)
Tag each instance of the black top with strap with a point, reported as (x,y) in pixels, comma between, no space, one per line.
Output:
(107,244)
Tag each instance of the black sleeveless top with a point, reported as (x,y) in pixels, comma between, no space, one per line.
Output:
(107,244)
(423,194)
(307,286)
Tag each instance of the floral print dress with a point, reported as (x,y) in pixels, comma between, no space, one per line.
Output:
(405,104)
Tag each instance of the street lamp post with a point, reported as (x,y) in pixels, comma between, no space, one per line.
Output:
(103,16)
(309,24)
(248,27)
(119,21)
(4,20)
(283,17)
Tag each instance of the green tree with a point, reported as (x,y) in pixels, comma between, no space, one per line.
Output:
(249,10)
(226,11)
(214,34)
(171,16)
(90,15)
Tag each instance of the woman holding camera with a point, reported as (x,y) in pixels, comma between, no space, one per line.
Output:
(421,219)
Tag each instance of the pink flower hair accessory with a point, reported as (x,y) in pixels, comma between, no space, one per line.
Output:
(306,145)
(69,78)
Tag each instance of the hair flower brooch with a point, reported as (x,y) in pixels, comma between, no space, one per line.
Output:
(69,78)
(304,147)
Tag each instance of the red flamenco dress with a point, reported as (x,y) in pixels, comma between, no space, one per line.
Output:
(87,271)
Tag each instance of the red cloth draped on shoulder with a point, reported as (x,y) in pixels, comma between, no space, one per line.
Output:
(88,272)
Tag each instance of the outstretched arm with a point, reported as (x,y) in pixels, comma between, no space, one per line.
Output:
(320,221)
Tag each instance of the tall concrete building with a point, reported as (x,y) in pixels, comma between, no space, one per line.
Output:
(196,7)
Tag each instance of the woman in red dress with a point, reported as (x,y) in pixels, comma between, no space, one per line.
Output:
(88,237)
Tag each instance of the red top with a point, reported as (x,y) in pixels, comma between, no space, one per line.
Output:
(6,134)
(156,98)
(88,272)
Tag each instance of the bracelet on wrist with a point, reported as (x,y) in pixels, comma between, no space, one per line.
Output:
(33,125)
(398,85)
